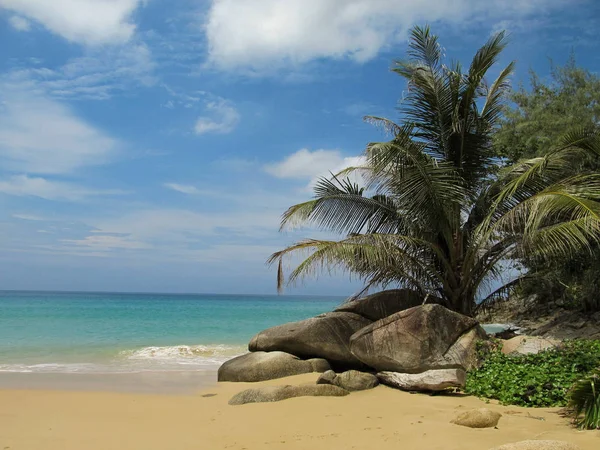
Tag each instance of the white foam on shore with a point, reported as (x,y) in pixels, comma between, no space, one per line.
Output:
(147,359)
(185,354)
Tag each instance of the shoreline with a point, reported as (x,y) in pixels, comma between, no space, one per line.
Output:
(381,418)
(147,382)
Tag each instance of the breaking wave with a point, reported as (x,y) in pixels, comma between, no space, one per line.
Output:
(147,359)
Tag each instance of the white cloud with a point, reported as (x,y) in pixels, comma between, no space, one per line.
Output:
(106,242)
(261,34)
(183,188)
(20,23)
(96,75)
(29,217)
(180,225)
(221,117)
(307,165)
(25,186)
(41,135)
(83,21)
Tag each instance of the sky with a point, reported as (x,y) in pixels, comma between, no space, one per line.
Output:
(152,145)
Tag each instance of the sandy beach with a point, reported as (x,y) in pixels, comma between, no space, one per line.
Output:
(382,419)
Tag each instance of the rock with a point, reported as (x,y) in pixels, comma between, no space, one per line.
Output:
(538,445)
(383,304)
(327,377)
(429,381)
(419,339)
(278,393)
(351,380)
(326,336)
(354,380)
(261,366)
(478,418)
(526,345)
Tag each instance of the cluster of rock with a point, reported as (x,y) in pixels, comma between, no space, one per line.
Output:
(390,337)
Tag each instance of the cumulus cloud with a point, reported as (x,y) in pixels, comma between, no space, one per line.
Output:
(261,33)
(19,23)
(26,186)
(220,117)
(183,188)
(41,135)
(311,165)
(82,21)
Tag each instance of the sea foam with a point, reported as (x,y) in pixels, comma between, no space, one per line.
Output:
(146,359)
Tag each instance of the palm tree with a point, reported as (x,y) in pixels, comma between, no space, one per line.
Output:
(437,213)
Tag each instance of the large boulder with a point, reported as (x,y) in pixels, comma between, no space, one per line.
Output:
(261,366)
(383,304)
(538,445)
(277,393)
(419,339)
(478,418)
(326,336)
(352,380)
(429,381)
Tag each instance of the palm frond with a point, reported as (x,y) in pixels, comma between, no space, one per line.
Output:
(342,208)
(584,399)
(375,258)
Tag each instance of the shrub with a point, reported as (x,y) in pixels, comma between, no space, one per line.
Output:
(584,400)
(539,380)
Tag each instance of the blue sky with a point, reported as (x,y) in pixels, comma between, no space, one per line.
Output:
(152,145)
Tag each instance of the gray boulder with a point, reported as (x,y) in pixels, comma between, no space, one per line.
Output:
(278,393)
(327,377)
(429,381)
(478,418)
(419,339)
(538,445)
(383,304)
(351,380)
(326,336)
(261,366)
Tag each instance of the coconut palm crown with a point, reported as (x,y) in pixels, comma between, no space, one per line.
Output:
(435,211)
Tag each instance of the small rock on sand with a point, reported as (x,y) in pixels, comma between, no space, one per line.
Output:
(352,380)
(478,418)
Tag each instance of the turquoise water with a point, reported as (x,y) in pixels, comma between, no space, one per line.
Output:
(53,332)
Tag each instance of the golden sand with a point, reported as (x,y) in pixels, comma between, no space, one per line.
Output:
(379,419)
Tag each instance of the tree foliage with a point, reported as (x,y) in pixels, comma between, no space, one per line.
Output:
(568,100)
(538,116)
(434,214)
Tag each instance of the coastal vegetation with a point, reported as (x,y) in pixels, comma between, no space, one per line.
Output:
(443,208)
(539,380)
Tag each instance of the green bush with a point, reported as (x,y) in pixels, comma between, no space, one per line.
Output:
(584,400)
(540,380)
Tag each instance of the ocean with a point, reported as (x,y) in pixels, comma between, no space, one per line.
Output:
(110,333)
